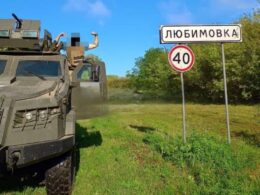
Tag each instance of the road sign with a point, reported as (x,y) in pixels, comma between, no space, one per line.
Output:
(181,58)
(200,33)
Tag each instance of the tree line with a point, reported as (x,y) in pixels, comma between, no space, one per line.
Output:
(152,77)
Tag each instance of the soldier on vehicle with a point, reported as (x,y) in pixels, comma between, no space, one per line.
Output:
(76,53)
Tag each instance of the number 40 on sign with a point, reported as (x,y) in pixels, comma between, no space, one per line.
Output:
(181,58)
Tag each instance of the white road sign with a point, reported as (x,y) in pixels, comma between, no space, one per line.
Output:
(181,58)
(200,33)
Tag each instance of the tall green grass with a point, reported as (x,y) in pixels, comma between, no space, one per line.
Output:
(213,166)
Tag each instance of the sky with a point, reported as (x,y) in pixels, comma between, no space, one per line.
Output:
(126,28)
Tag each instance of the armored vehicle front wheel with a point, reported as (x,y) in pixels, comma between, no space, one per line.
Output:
(59,178)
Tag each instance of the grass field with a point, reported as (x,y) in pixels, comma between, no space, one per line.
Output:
(137,149)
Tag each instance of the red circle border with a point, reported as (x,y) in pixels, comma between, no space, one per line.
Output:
(184,47)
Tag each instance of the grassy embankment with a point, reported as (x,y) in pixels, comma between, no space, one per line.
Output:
(137,149)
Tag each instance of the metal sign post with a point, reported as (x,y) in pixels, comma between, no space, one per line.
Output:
(226,94)
(181,58)
(183,110)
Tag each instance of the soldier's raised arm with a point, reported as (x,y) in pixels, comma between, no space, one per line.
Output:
(57,39)
(95,42)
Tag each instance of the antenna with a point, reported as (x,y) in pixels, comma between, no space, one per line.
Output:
(18,22)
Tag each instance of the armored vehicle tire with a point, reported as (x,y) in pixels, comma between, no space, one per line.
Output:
(59,177)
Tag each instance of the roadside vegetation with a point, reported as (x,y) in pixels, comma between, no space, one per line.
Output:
(142,151)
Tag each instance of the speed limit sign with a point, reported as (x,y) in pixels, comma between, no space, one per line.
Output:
(181,58)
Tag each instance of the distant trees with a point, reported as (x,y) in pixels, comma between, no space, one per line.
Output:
(114,81)
(151,74)
(204,82)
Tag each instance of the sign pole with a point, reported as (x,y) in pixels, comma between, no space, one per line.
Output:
(181,58)
(183,110)
(226,95)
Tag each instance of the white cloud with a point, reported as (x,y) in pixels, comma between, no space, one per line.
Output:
(98,8)
(175,12)
(94,8)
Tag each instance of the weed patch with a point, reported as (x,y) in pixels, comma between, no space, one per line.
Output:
(213,166)
(143,129)
(253,139)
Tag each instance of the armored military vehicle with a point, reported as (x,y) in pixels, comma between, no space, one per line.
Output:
(38,87)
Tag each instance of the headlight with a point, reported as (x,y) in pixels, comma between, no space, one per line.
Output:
(28,116)
(43,114)
(55,111)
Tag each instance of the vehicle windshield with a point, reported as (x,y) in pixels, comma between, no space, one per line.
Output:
(2,66)
(39,68)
